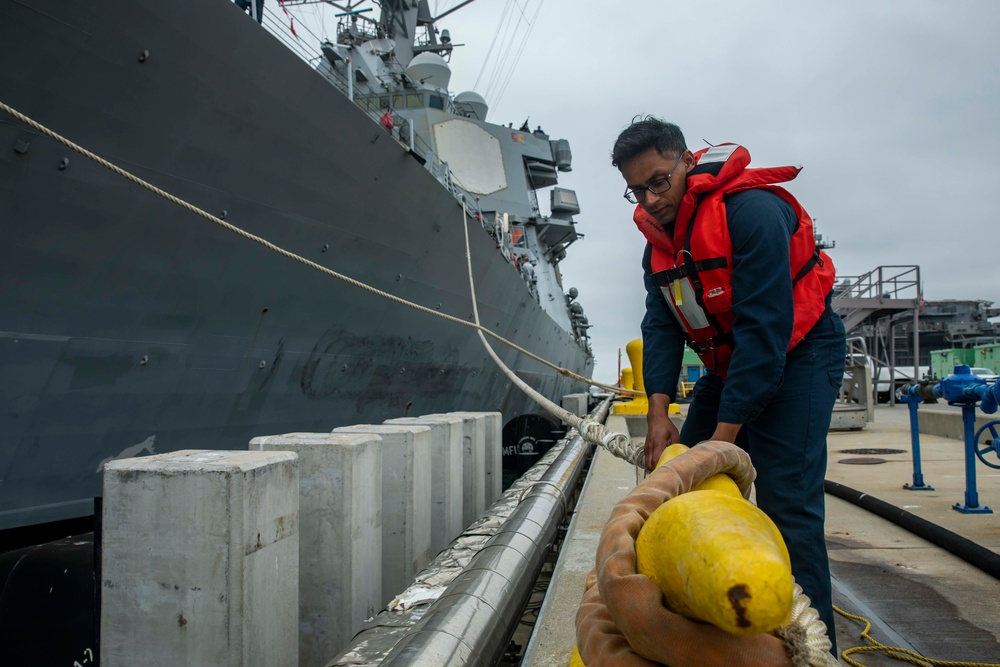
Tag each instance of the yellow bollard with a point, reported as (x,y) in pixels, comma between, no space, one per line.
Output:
(640,404)
(627,382)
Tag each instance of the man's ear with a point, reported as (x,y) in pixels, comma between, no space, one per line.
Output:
(688,160)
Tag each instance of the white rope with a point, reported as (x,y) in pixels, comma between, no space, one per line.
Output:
(291,255)
(618,444)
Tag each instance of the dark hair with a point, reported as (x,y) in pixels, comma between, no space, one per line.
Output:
(644,133)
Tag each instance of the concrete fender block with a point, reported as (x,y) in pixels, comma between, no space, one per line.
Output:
(201,559)
(406,502)
(446,476)
(340,536)
(473,464)
(575,403)
(492,455)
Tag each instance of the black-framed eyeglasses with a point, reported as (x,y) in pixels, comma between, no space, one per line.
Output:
(657,187)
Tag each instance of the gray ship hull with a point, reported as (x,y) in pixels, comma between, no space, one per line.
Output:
(128,325)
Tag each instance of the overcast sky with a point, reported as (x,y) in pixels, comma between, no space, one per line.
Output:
(891,107)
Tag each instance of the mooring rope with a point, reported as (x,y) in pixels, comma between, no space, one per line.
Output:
(618,444)
(298,258)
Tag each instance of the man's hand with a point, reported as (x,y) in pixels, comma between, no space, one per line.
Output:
(661,431)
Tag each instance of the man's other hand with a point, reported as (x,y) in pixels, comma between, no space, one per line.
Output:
(661,431)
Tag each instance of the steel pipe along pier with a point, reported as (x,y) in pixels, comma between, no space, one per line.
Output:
(478,607)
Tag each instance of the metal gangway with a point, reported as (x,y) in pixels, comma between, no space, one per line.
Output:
(880,293)
(883,291)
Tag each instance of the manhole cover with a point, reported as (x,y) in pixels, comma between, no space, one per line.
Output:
(872,451)
(862,461)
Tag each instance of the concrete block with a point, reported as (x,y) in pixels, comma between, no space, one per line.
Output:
(492,454)
(634,426)
(946,421)
(576,403)
(446,476)
(340,536)
(473,463)
(201,560)
(406,502)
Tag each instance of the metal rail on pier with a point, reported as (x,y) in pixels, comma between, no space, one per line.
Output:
(473,619)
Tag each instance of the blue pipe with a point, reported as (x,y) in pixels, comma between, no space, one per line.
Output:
(918,475)
(971,505)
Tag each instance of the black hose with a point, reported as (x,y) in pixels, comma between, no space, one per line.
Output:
(972,553)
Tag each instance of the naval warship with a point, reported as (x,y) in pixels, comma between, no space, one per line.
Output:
(130,325)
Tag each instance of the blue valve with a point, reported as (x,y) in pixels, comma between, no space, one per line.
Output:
(960,388)
(963,389)
(991,399)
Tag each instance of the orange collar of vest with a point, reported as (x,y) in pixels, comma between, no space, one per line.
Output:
(715,168)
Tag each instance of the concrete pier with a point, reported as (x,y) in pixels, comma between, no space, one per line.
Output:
(446,476)
(473,463)
(340,536)
(200,560)
(916,595)
(406,502)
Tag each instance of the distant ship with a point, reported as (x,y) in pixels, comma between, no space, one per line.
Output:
(130,326)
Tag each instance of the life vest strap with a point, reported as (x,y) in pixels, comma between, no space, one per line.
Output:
(670,275)
(813,261)
(716,341)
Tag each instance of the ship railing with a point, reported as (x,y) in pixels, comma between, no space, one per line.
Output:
(442,172)
(306,44)
(350,30)
(297,38)
(881,290)
(885,282)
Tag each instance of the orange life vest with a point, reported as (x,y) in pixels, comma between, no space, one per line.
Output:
(693,267)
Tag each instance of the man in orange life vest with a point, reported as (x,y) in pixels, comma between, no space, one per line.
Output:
(731,268)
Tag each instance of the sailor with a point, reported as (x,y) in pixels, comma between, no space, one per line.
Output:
(731,268)
(258,9)
(528,271)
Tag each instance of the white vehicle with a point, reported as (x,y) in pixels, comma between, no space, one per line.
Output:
(901,377)
(984,373)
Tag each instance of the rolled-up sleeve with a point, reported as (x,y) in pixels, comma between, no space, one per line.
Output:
(662,339)
(761,225)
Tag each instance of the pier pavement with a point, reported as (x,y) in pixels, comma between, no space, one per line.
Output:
(917,595)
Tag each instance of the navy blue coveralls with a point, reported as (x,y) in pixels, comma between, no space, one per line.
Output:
(784,401)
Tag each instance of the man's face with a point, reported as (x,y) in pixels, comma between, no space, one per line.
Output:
(665,173)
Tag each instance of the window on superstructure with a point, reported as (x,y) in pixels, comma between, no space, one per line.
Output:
(436,102)
(414,101)
(397,102)
(383,103)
